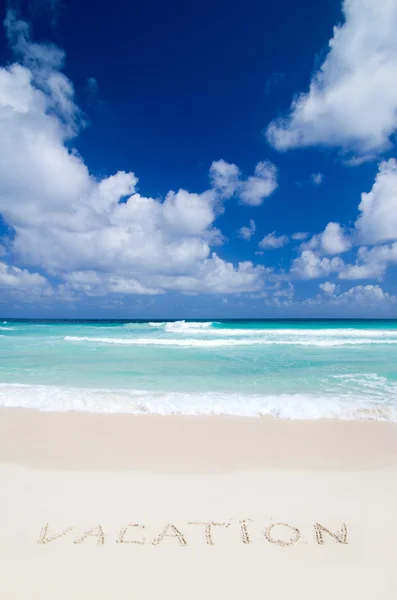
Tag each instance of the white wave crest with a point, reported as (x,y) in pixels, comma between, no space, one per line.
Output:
(219,343)
(7,328)
(183,326)
(225,332)
(283,406)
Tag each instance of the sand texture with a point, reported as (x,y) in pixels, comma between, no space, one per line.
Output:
(106,507)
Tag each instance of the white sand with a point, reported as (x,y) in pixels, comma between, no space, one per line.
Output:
(102,473)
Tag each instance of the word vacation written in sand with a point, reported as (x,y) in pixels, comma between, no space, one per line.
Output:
(210,533)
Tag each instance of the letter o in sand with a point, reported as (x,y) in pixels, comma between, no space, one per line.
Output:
(294,535)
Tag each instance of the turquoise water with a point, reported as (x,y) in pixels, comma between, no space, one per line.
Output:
(288,369)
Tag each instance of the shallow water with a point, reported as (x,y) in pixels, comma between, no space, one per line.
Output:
(289,369)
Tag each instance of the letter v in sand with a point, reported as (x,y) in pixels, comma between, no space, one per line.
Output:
(46,539)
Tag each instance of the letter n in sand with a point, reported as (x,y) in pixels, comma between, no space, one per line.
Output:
(339,536)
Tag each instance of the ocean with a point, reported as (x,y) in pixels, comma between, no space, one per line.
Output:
(291,369)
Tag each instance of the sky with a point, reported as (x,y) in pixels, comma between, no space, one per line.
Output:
(194,160)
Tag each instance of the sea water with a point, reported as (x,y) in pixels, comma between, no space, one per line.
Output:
(288,369)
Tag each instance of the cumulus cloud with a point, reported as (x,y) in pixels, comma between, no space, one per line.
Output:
(371,262)
(227,179)
(328,288)
(215,275)
(352,98)
(378,219)
(365,295)
(247,232)
(92,234)
(311,266)
(333,239)
(13,277)
(261,185)
(271,241)
(312,263)
(375,225)
(358,297)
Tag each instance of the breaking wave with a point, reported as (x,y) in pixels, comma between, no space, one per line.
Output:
(219,343)
(283,406)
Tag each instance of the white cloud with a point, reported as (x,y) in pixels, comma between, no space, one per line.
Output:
(328,287)
(99,235)
(365,295)
(300,236)
(287,292)
(333,239)
(215,275)
(376,223)
(261,185)
(247,232)
(271,241)
(92,283)
(226,178)
(358,297)
(311,266)
(311,263)
(13,277)
(317,178)
(371,263)
(352,99)
(378,219)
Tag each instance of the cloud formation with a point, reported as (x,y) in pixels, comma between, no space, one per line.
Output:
(328,287)
(271,241)
(101,234)
(378,208)
(73,234)
(247,232)
(375,225)
(227,179)
(21,279)
(310,265)
(352,98)
(360,296)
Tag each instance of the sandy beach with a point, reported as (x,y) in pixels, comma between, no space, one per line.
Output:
(112,506)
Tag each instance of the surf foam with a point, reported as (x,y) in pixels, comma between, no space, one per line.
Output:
(218,343)
(283,406)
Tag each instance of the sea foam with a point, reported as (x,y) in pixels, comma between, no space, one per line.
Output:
(219,343)
(283,406)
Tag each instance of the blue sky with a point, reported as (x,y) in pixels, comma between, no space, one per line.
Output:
(165,159)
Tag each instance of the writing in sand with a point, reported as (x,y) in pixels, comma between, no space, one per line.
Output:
(210,533)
